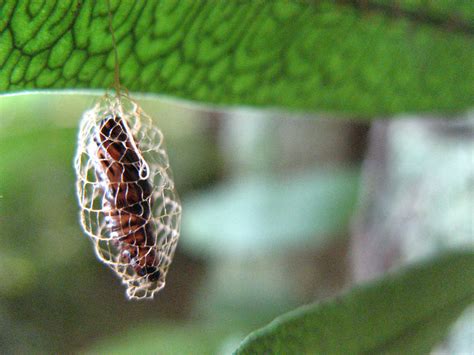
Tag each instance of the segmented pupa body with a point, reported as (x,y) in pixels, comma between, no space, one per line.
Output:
(129,206)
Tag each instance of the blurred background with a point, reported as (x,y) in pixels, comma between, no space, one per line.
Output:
(278,210)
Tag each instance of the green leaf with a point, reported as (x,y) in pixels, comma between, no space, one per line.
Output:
(404,313)
(350,57)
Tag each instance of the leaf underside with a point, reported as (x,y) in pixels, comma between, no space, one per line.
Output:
(405,313)
(349,57)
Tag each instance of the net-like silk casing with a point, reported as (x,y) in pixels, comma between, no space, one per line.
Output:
(129,206)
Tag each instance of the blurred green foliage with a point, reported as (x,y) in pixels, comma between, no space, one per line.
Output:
(266,213)
(171,339)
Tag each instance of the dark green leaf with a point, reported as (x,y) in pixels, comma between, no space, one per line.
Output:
(404,313)
(351,57)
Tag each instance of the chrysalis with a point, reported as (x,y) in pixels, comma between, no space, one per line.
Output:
(129,206)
